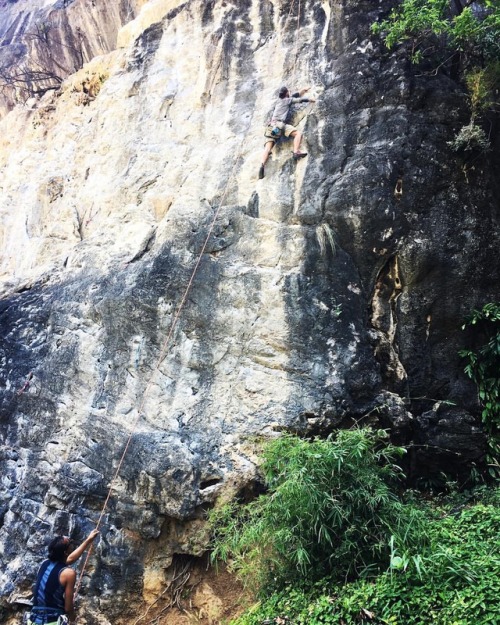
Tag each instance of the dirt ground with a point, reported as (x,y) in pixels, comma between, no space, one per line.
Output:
(205,596)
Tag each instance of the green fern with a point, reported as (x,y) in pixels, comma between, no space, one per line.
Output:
(483,367)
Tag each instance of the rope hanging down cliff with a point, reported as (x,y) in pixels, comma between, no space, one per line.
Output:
(161,357)
(166,342)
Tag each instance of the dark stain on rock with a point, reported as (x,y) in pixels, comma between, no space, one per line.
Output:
(146,45)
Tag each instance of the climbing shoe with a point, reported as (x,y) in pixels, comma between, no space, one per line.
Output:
(297,155)
(261,172)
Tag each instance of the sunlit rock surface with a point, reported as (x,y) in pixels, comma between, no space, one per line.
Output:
(156,294)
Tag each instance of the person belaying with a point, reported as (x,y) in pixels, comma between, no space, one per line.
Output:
(53,594)
(278,126)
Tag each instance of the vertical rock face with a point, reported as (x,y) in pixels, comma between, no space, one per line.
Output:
(43,41)
(158,298)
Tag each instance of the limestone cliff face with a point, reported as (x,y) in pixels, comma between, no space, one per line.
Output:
(43,41)
(320,296)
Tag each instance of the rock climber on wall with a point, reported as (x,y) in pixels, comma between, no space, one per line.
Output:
(278,126)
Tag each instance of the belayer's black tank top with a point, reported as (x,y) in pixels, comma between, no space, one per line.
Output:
(48,589)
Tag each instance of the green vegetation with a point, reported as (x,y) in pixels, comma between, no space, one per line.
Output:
(459,35)
(483,367)
(458,583)
(331,509)
(434,27)
(332,540)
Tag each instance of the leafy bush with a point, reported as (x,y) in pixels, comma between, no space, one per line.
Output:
(452,34)
(415,21)
(483,367)
(482,85)
(431,26)
(331,509)
(458,583)
(469,138)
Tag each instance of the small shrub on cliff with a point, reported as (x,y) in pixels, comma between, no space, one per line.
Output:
(331,509)
(482,85)
(415,22)
(470,138)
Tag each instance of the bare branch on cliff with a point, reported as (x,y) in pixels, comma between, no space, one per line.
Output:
(43,70)
(28,82)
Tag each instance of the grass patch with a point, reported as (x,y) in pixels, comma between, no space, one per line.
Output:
(457,583)
(333,540)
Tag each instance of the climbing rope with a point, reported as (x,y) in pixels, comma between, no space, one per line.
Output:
(161,357)
(26,383)
(295,55)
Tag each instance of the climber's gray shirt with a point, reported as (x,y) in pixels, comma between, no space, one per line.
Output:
(283,106)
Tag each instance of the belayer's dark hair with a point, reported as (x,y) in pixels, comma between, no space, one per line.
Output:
(57,549)
(282,92)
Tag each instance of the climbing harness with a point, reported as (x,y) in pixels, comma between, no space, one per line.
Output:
(274,131)
(39,615)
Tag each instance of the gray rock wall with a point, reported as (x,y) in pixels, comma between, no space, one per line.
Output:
(319,299)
